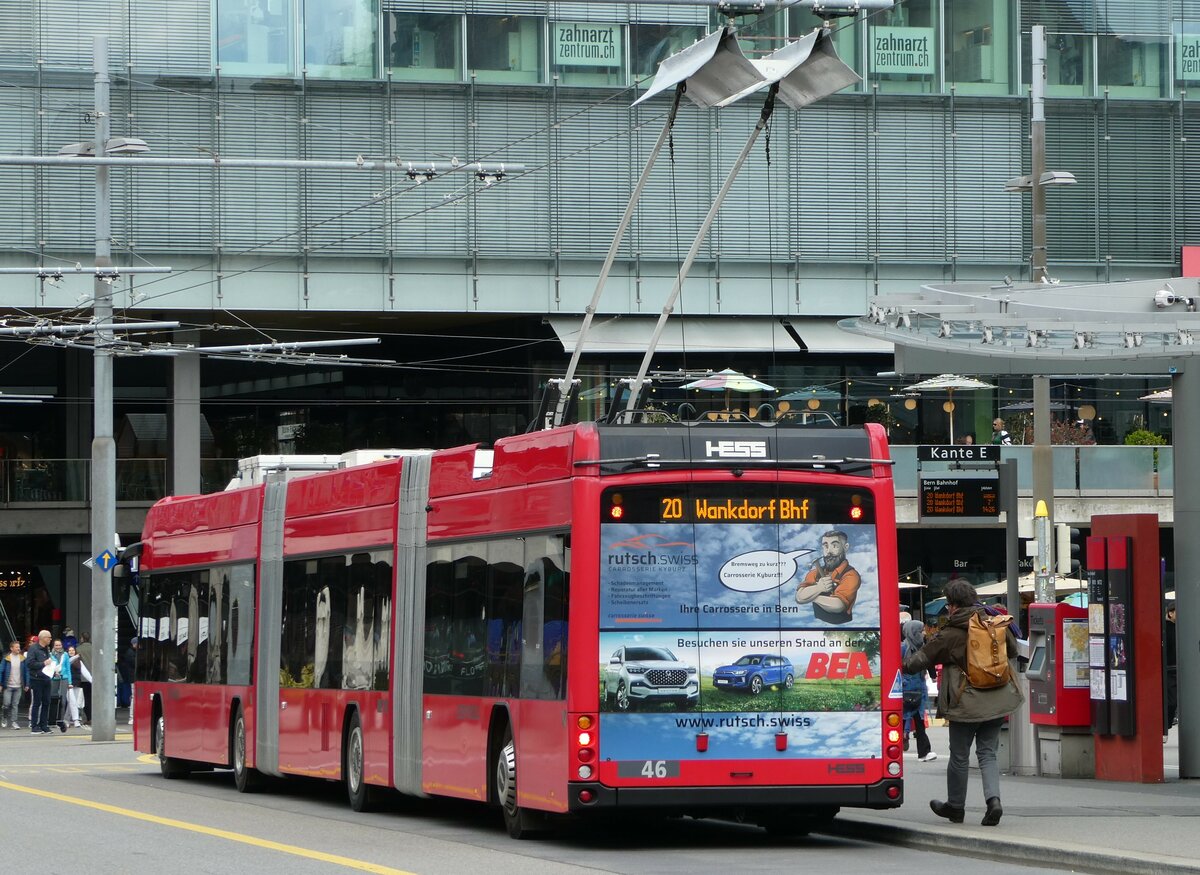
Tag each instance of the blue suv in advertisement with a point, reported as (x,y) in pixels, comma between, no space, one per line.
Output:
(754,671)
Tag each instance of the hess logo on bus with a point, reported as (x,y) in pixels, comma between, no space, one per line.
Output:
(736,449)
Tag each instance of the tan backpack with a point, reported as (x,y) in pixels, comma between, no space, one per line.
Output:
(987,650)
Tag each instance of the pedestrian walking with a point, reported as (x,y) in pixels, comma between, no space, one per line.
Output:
(60,685)
(126,666)
(14,681)
(974,707)
(75,700)
(85,653)
(37,658)
(916,698)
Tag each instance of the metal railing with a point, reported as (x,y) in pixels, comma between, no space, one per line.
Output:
(1078,470)
(35,481)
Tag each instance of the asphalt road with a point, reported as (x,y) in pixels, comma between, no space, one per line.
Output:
(70,805)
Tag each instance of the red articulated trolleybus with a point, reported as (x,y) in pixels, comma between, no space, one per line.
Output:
(696,618)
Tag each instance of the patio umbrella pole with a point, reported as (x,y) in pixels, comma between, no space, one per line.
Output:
(636,388)
(950,412)
(564,385)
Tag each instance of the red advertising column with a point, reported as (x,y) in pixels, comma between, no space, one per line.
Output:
(1134,752)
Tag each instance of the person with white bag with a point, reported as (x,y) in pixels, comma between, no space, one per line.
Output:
(80,675)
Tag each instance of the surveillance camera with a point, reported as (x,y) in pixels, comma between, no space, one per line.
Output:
(1164,299)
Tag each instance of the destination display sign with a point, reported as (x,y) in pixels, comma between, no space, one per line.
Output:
(958,453)
(945,497)
(743,503)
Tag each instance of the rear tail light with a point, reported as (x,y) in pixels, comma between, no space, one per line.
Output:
(893,719)
(893,769)
(893,736)
(585,745)
(893,792)
(893,751)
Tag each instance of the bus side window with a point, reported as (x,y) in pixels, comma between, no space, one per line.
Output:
(544,619)
(533,681)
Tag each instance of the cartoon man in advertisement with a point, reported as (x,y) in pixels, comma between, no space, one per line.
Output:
(831,585)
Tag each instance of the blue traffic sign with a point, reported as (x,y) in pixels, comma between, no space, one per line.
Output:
(106,560)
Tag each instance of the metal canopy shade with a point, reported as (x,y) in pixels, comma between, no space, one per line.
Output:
(713,68)
(807,70)
(729,380)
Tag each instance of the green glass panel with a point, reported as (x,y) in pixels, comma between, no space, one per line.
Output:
(340,38)
(588,52)
(423,46)
(902,49)
(979,47)
(254,37)
(505,48)
(651,43)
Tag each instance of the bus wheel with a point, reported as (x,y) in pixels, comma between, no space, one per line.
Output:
(520,822)
(246,779)
(170,767)
(357,790)
(756,685)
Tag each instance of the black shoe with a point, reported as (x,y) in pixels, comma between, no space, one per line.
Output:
(62,727)
(948,811)
(994,812)
(906,743)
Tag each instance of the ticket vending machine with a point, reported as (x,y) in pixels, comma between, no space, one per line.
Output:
(1059,685)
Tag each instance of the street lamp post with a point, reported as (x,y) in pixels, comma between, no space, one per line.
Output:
(104,448)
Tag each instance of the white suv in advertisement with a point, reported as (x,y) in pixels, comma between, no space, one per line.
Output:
(649,674)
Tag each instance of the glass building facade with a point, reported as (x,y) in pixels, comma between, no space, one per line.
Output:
(896,181)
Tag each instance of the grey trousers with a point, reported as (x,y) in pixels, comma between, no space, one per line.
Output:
(986,737)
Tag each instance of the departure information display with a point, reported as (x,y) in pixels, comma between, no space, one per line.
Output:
(958,496)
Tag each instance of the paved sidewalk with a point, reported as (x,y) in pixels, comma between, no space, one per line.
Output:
(1085,825)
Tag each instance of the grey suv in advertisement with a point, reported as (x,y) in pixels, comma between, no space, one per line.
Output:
(649,674)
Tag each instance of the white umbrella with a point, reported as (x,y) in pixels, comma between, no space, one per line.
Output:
(1162,396)
(728,381)
(948,383)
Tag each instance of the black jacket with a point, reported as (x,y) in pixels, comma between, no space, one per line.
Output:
(35,658)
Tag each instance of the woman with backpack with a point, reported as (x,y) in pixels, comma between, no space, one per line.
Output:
(916,699)
(977,690)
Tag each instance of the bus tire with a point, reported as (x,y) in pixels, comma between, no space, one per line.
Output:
(521,823)
(245,778)
(170,767)
(360,794)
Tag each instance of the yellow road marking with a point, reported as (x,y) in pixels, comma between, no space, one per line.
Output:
(335,859)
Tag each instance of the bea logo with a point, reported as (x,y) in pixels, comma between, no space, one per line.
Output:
(736,449)
(838,666)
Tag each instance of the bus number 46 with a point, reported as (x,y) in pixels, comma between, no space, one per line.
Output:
(654,769)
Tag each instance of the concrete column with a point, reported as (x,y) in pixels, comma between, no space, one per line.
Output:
(185,425)
(1186,414)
